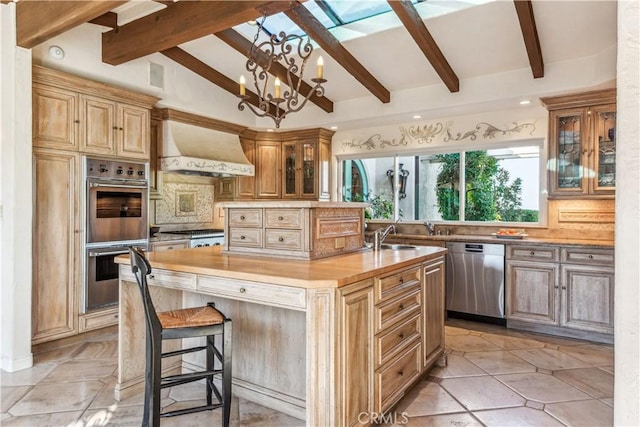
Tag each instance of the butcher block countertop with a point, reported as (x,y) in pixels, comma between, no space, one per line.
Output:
(335,271)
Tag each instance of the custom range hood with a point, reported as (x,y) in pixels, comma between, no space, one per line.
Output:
(193,149)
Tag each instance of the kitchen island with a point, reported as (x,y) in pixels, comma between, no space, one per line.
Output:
(324,340)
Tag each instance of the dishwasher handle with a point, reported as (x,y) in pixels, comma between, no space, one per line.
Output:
(471,247)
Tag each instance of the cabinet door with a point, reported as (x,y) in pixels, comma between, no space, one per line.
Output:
(268,162)
(433,311)
(246,185)
(588,298)
(356,351)
(323,172)
(56,256)
(133,132)
(568,143)
(155,154)
(55,118)
(290,169)
(308,170)
(532,292)
(603,154)
(98,130)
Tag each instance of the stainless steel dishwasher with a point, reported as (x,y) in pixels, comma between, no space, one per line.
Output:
(475,281)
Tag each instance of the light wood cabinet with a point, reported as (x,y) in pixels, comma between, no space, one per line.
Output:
(73,113)
(155,154)
(582,144)
(168,245)
(268,170)
(245,186)
(356,351)
(55,117)
(570,293)
(433,306)
(293,229)
(56,252)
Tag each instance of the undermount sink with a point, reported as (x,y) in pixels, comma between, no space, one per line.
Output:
(396,247)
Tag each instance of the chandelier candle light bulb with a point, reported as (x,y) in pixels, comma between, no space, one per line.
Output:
(320,67)
(242,86)
(277,88)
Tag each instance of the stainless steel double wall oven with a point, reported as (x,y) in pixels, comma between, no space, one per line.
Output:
(116,210)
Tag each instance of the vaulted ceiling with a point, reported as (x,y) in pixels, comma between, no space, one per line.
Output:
(436,50)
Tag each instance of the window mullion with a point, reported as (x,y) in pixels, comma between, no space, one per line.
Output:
(462,191)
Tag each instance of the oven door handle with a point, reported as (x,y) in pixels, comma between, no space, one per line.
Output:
(97,254)
(95,184)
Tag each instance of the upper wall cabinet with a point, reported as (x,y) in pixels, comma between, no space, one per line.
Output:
(582,144)
(76,114)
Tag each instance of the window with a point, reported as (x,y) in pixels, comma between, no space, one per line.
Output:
(491,185)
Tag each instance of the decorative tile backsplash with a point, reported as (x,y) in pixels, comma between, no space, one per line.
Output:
(185,202)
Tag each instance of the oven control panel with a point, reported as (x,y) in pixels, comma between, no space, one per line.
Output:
(109,168)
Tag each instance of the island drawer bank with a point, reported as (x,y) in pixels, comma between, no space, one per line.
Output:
(318,340)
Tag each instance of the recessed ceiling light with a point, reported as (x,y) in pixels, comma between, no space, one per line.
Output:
(56,52)
(333,127)
(525,102)
(417,116)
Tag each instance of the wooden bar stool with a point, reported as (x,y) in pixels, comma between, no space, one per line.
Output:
(204,321)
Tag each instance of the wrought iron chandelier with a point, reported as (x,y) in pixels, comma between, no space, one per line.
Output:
(283,49)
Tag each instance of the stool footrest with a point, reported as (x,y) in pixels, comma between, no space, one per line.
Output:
(191,410)
(174,380)
(184,351)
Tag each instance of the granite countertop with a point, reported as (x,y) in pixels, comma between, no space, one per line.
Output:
(492,239)
(330,272)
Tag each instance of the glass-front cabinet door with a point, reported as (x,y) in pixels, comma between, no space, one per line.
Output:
(568,141)
(604,151)
(300,160)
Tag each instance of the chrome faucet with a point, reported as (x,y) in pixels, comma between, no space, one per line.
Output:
(379,235)
(431,228)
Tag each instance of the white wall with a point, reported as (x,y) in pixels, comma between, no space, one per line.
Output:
(15,197)
(627,297)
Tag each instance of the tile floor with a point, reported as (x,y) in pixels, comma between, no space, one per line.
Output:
(494,377)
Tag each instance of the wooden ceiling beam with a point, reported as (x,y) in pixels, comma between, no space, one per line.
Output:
(179,23)
(524,9)
(242,45)
(109,19)
(414,24)
(194,64)
(319,33)
(38,21)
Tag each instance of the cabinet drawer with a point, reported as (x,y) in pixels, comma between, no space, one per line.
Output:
(398,308)
(391,342)
(283,218)
(245,217)
(164,278)
(589,256)
(395,283)
(392,380)
(283,239)
(245,237)
(170,245)
(262,293)
(533,253)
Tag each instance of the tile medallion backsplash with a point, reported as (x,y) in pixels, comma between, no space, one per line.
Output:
(185,202)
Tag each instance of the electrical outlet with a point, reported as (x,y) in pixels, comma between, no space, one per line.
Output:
(341,242)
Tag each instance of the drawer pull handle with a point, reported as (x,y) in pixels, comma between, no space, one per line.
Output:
(556,286)
(243,290)
(280,239)
(280,218)
(532,253)
(401,280)
(241,217)
(400,373)
(401,306)
(401,336)
(590,256)
(151,276)
(242,237)
(564,287)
